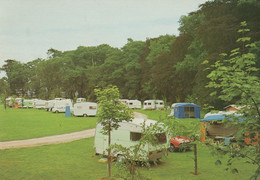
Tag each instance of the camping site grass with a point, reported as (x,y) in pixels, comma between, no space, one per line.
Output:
(76,160)
(18,124)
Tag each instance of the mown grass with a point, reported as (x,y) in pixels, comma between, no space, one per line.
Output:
(32,123)
(73,161)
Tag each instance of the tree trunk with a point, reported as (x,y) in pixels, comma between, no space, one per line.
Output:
(109,153)
(195,160)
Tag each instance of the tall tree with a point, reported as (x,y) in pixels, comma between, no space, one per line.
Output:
(235,77)
(17,76)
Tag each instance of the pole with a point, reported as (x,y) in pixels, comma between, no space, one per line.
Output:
(195,160)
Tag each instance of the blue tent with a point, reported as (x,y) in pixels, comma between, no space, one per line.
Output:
(186,110)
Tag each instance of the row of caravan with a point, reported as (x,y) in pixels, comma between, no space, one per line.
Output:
(81,108)
(147,105)
(57,105)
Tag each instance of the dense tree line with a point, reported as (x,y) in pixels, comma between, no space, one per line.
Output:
(168,67)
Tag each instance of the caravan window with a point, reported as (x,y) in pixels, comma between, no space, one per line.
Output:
(149,103)
(134,136)
(92,107)
(130,103)
(161,138)
(161,103)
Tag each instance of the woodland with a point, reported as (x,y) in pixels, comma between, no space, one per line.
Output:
(168,67)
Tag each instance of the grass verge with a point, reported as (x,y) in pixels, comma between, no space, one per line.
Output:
(18,124)
(73,161)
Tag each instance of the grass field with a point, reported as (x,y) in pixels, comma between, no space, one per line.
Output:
(73,161)
(32,123)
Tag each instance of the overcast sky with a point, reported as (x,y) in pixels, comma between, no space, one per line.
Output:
(30,27)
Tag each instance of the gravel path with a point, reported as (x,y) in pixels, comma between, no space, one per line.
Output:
(57,139)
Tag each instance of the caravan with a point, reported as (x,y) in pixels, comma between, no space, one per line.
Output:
(49,105)
(153,104)
(40,104)
(28,103)
(79,100)
(134,104)
(85,109)
(60,106)
(149,104)
(124,101)
(128,134)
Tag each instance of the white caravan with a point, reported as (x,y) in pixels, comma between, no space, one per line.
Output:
(159,104)
(79,100)
(153,104)
(59,99)
(60,106)
(28,103)
(49,105)
(134,104)
(85,109)
(149,104)
(128,134)
(124,101)
(40,104)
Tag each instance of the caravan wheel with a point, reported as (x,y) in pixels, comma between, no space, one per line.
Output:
(56,111)
(85,115)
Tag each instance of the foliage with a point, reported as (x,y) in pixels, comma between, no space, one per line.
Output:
(110,113)
(235,77)
(134,157)
(165,67)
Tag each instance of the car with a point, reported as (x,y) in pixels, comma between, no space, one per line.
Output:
(180,143)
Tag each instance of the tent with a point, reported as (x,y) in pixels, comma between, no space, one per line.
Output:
(214,127)
(185,110)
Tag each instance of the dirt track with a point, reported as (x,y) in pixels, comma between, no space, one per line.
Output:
(57,139)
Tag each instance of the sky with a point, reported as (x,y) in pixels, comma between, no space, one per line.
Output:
(30,27)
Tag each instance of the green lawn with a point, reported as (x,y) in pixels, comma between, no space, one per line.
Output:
(32,123)
(73,161)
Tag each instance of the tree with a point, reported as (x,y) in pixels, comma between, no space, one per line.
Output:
(235,77)
(4,89)
(16,76)
(110,112)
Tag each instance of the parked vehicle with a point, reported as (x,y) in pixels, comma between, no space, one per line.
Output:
(59,99)
(128,134)
(215,128)
(153,105)
(159,104)
(79,100)
(28,103)
(124,101)
(85,109)
(149,104)
(49,105)
(40,104)
(134,104)
(180,143)
(60,106)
